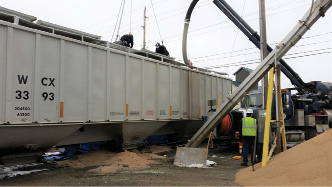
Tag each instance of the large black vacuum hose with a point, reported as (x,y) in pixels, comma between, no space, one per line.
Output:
(185,31)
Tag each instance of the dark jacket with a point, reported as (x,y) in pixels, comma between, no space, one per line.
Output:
(129,39)
(162,50)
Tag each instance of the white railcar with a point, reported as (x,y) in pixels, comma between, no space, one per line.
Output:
(59,86)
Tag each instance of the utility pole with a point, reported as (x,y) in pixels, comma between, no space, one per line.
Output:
(144,18)
(263,45)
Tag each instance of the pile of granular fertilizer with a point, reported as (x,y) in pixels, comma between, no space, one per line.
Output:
(108,162)
(308,164)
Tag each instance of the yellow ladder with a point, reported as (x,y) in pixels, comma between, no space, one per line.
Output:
(279,121)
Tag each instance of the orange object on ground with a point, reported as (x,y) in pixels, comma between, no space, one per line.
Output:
(237,157)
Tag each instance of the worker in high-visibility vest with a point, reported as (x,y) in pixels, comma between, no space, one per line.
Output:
(249,126)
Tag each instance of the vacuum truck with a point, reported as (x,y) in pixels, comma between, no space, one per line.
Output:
(307,113)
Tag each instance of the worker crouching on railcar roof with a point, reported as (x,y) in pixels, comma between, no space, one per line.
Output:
(129,38)
(126,40)
(161,49)
(249,126)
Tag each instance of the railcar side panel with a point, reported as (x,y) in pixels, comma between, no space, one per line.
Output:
(150,90)
(117,78)
(175,93)
(220,90)
(97,85)
(214,90)
(3,51)
(185,94)
(47,76)
(208,92)
(195,95)
(226,85)
(163,91)
(75,84)
(22,76)
(202,94)
(134,88)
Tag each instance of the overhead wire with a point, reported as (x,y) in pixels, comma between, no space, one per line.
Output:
(245,54)
(246,49)
(209,26)
(169,41)
(131,10)
(117,34)
(116,25)
(185,7)
(276,7)
(202,28)
(99,23)
(237,31)
(257,61)
(204,3)
(167,17)
(117,20)
(288,56)
(155,17)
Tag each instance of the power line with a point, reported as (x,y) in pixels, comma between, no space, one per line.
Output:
(178,35)
(254,19)
(206,2)
(156,22)
(99,23)
(167,17)
(288,56)
(219,54)
(138,27)
(206,57)
(285,57)
(255,61)
(237,31)
(121,8)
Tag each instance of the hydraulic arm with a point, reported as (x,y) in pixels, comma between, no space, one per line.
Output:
(255,39)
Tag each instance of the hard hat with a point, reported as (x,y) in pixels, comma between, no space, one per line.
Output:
(249,111)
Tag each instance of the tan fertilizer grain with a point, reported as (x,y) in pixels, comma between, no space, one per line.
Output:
(308,164)
(109,162)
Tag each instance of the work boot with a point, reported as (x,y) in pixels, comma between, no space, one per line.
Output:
(244,164)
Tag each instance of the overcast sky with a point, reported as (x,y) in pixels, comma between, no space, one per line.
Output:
(213,40)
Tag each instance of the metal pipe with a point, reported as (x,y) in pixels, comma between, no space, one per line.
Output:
(144,27)
(263,46)
(305,100)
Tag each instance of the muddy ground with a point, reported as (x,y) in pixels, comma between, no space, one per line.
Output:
(163,173)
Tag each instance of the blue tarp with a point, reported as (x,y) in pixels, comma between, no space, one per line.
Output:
(156,140)
(74,149)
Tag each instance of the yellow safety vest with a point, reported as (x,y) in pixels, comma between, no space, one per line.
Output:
(248,126)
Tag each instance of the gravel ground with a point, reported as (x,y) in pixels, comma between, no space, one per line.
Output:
(163,173)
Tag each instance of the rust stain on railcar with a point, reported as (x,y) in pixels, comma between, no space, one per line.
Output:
(61,109)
